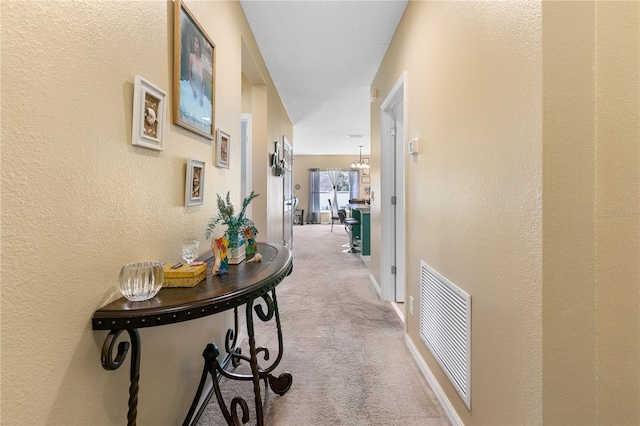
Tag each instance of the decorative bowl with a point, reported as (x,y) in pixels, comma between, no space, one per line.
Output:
(141,280)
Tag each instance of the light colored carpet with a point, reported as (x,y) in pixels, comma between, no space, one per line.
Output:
(343,346)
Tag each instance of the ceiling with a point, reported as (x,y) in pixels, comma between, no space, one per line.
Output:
(322,57)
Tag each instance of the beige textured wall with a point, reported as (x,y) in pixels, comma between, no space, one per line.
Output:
(79,201)
(617,214)
(569,322)
(473,195)
(591,213)
(527,195)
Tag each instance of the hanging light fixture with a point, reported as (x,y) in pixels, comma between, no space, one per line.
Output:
(359,164)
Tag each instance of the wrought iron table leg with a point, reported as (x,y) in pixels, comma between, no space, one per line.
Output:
(279,385)
(216,369)
(253,362)
(110,363)
(282,383)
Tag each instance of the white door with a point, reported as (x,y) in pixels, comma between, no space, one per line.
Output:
(287,191)
(393,261)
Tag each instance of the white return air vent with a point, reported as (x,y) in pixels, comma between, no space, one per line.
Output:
(445,327)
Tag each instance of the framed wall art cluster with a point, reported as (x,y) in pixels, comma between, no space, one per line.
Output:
(194,70)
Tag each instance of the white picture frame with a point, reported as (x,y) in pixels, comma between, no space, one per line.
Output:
(194,183)
(149,115)
(223,149)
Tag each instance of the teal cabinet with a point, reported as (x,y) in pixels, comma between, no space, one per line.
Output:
(363,232)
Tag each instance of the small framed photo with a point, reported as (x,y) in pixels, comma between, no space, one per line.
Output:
(366,180)
(223,146)
(365,160)
(194,189)
(194,70)
(365,171)
(149,115)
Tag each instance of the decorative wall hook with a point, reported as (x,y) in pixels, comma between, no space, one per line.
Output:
(277,165)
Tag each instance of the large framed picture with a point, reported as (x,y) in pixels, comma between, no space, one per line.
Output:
(149,112)
(194,189)
(223,146)
(194,66)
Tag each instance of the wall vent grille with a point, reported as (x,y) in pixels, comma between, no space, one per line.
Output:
(445,327)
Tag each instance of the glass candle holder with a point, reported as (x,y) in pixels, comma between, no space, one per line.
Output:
(141,280)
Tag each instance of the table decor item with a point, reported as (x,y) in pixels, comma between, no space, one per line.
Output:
(221,262)
(141,280)
(190,250)
(236,225)
(256,258)
(251,247)
(184,276)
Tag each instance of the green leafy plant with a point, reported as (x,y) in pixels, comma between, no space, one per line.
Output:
(226,216)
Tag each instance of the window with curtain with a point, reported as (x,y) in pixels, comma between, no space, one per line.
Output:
(342,179)
(321,183)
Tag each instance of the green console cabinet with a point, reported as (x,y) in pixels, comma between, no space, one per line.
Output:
(362,212)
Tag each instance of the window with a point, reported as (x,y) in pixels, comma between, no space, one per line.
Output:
(326,190)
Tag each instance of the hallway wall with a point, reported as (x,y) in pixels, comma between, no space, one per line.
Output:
(79,201)
(473,195)
(527,195)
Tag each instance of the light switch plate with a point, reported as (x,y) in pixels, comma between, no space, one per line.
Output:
(413,146)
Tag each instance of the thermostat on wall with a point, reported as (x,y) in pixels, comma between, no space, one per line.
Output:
(413,146)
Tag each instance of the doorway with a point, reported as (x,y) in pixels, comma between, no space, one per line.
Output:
(246,179)
(392,189)
(287,191)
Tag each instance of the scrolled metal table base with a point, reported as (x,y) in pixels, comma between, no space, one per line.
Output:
(238,410)
(111,363)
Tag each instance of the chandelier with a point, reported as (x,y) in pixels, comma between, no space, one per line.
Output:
(359,164)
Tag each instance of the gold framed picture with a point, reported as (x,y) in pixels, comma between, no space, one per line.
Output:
(194,66)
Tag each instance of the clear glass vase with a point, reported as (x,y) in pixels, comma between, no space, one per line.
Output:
(235,252)
(141,280)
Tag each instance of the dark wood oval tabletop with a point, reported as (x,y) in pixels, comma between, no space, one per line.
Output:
(217,293)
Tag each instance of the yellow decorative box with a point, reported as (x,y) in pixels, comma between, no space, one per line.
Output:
(184,276)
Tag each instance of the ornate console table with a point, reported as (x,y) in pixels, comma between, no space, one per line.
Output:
(243,284)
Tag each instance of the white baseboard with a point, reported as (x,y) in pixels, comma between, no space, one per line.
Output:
(437,390)
(375,284)
(398,311)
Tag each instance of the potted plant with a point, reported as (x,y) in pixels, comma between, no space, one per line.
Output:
(236,225)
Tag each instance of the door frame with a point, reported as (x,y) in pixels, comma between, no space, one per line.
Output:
(390,288)
(287,194)
(246,180)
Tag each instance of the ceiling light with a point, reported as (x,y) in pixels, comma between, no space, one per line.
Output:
(359,164)
(354,136)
